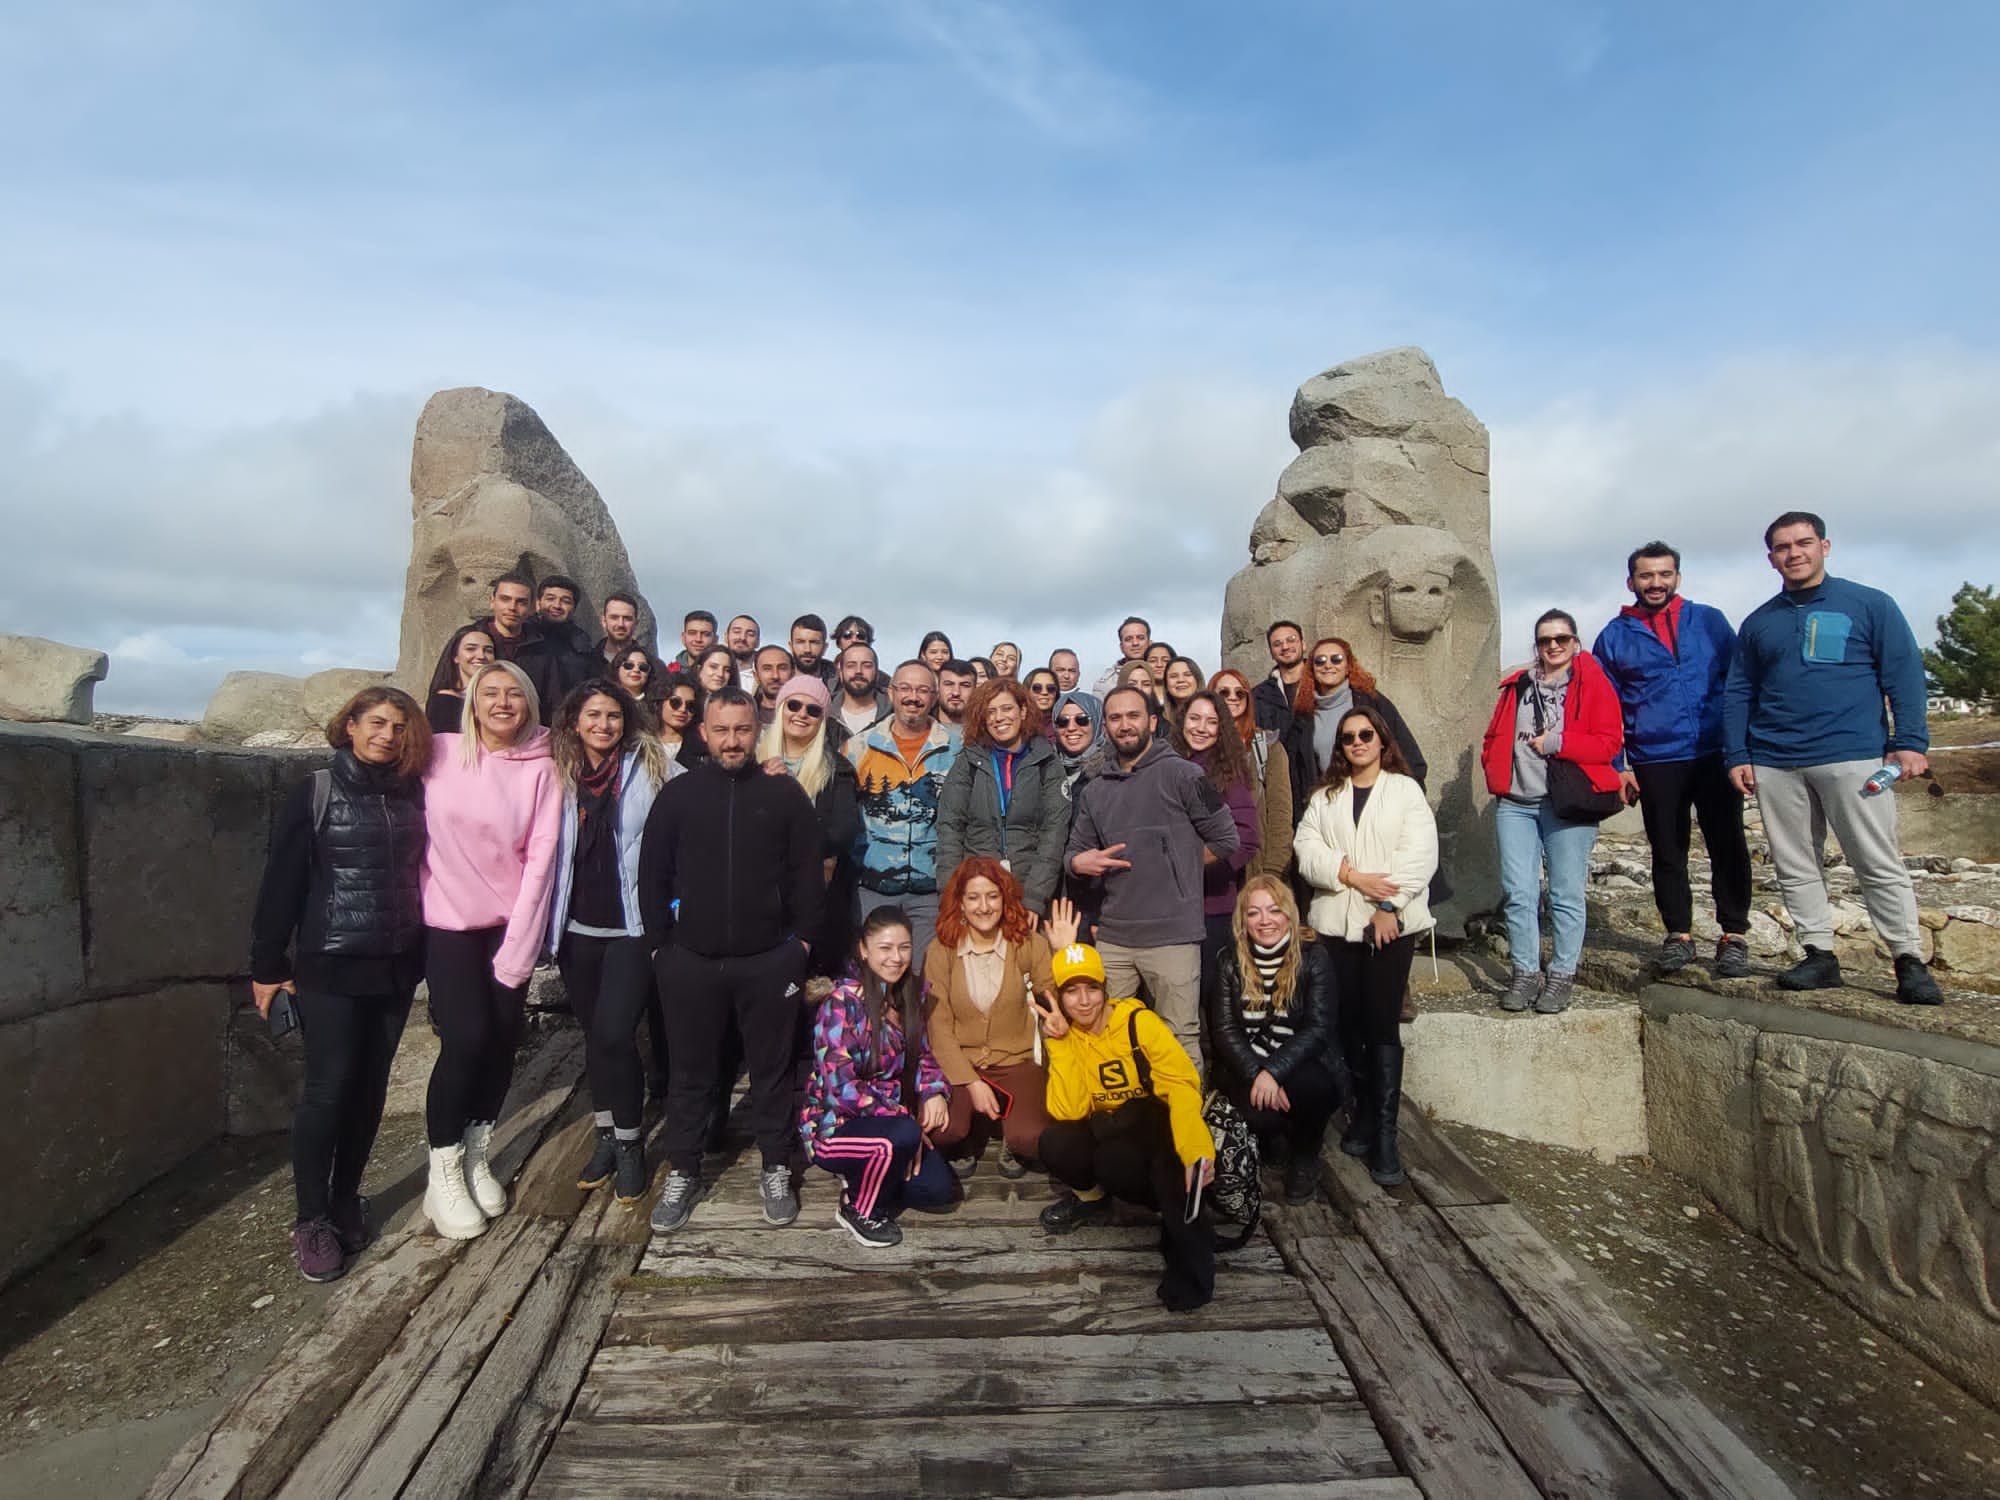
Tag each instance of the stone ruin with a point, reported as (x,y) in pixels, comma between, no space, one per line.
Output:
(1380,533)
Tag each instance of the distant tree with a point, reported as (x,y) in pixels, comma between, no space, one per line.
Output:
(1966,663)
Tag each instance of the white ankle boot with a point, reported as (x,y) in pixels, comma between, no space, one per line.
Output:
(486,1189)
(447,1202)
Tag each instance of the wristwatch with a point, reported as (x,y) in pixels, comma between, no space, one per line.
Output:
(1388,906)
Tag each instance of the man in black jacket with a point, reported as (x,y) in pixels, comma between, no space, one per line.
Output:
(517,635)
(1272,698)
(729,879)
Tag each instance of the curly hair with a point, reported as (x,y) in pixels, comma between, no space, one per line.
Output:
(1358,676)
(1015,921)
(974,718)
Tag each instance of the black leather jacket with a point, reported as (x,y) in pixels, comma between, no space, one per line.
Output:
(1313,1015)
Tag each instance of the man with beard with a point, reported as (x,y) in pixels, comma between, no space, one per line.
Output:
(808,644)
(859,704)
(1271,700)
(772,666)
(741,638)
(697,635)
(1668,658)
(518,637)
(900,764)
(956,680)
(1143,829)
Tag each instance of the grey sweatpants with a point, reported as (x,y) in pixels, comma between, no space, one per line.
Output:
(1173,979)
(1798,805)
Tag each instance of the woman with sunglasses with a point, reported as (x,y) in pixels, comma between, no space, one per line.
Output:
(1367,846)
(636,672)
(1002,796)
(1332,683)
(796,744)
(680,711)
(1081,750)
(1563,708)
(1180,682)
(1044,690)
(1272,773)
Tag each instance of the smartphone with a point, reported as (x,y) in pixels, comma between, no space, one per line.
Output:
(1006,1099)
(1194,1198)
(283,1017)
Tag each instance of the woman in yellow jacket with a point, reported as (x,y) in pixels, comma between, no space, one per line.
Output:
(1125,1111)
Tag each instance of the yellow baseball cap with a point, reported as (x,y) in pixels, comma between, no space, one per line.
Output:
(1077,961)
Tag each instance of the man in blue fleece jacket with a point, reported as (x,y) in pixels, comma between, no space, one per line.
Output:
(1803,726)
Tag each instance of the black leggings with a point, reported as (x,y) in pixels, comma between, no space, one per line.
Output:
(479,1022)
(1371,983)
(1129,1152)
(610,984)
(350,1044)
(1314,1093)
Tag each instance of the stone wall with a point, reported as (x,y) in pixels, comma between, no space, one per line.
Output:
(127,873)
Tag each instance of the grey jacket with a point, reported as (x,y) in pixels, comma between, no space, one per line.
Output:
(1029,837)
(1164,811)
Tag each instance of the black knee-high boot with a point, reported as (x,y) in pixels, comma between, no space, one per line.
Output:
(1358,1139)
(1385,1164)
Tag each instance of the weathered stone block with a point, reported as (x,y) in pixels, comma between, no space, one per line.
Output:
(253,703)
(1700,1113)
(1969,947)
(261,1074)
(44,681)
(106,1096)
(41,918)
(174,846)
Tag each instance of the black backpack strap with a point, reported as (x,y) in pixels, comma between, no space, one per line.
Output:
(322,794)
(1141,1064)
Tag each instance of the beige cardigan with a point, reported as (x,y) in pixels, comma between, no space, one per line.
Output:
(1397,838)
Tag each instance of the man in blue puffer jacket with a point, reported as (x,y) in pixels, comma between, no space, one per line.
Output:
(1669,657)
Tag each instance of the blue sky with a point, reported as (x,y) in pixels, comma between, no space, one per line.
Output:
(998,307)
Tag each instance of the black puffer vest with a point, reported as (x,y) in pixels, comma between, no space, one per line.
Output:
(367,851)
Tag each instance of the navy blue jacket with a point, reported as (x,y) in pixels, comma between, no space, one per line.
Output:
(1672,700)
(1810,674)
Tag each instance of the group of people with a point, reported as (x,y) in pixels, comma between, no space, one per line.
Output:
(957,909)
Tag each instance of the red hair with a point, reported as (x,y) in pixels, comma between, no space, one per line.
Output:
(1359,677)
(1246,718)
(973,721)
(1015,922)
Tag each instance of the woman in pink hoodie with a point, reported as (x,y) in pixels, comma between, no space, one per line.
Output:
(492,806)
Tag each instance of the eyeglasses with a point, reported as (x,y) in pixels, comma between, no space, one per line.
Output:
(1357,737)
(1075,721)
(1555,640)
(1329,661)
(801,706)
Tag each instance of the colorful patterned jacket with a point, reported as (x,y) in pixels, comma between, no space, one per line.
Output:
(854,1075)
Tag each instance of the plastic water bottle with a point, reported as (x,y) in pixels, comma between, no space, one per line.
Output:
(1882,780)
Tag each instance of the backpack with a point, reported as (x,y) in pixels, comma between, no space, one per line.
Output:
(1236,1195)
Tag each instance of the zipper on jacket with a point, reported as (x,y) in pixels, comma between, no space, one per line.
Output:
(729,868)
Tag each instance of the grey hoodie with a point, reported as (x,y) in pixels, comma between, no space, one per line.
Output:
(1164,810)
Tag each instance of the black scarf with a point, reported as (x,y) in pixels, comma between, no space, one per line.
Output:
(597,839)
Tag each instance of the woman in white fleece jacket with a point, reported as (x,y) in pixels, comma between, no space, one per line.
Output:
(1367,844)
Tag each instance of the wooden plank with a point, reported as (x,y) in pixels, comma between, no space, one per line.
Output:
(915,1376)
(257,1438)
(541,1090)
(344,1443)
(547,1186)
(1338,1489)
(1695,1452)
(1563,1438)
(1428,1418)
(531,1425)
(1060,1300)
(1443,1174)
(1080,1451)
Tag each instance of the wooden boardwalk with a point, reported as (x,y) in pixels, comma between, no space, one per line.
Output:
(1429,1343)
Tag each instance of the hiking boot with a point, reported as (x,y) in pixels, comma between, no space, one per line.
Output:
(874,1234)
(1732,957)
(1011,1166)
(1914,985)
(677,1201)
(1818,970)
(485,1187)
(603,1161)
(1676,953)
(1071,1212)
(1555,995)
(630,1171)
(963,1166)
(447,1200)
(1523,991)
(1301,1178)
(317,1250)
(1385,1162)
(781,1203)
(350,1224)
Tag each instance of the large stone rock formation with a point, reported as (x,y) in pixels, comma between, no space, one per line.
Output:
(271,711)
(43,681)
(491,489)
(1380,534)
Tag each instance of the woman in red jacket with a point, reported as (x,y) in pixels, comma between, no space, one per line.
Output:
(1562,708)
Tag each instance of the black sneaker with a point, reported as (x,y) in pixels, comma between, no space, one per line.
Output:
(351,1225)
(1301,1179)
(1070,1212)
(1914,985)
(781,1203)
(603,1161)
(875,1234)
(677,1201)
(1676,953)
(1732,957)
(1011,1166)
(630,1171)
(1818,970)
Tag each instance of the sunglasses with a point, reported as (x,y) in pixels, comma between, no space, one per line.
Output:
(1329,661)
(1357,737)
(801,706)
(681,705)
(851,636)
(1230,695)
(1554,640)
(1043,687)
(1072,722)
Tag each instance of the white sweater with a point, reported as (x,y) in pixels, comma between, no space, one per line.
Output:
(1397,837)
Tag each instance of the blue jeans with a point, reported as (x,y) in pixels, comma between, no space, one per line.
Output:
(1529,838)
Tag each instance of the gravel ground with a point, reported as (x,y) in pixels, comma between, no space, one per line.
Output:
(1807,1380)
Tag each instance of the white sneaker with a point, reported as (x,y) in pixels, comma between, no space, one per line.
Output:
(447,1203)
(486,1189)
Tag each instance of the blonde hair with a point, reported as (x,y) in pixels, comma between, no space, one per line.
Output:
(1288,967)
(470,740)
(815,765)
